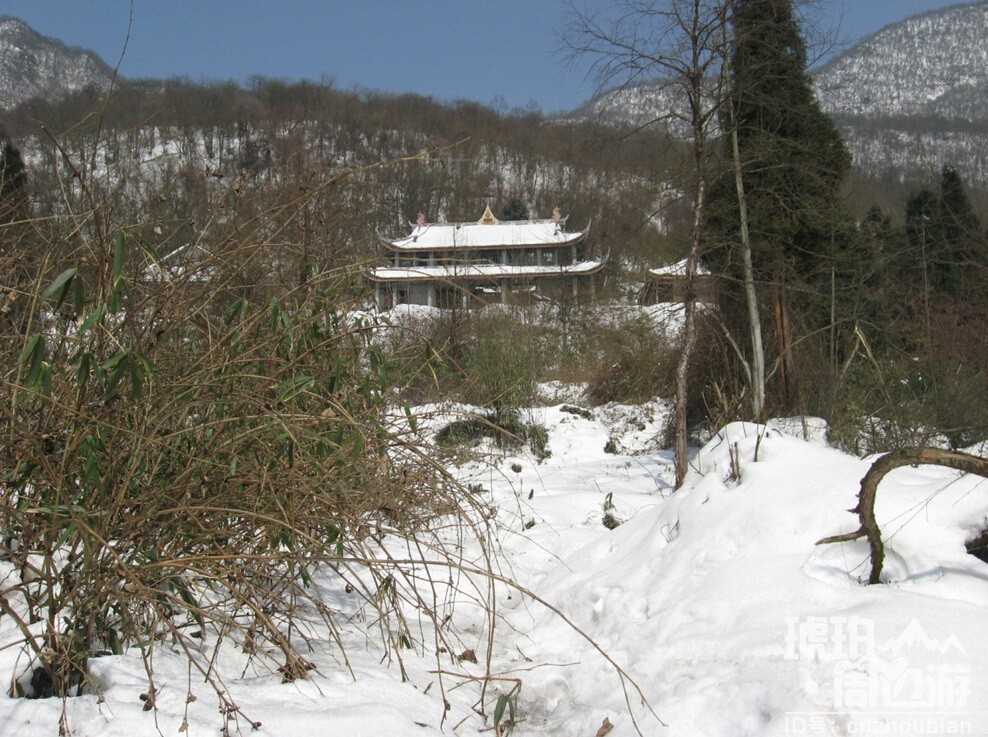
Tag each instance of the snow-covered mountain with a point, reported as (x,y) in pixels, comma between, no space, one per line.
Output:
(931,65)
(908,99)
(32,65)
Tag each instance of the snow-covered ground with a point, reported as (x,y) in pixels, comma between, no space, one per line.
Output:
(723,614)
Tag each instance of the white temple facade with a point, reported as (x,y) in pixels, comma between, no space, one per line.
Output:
(450,265)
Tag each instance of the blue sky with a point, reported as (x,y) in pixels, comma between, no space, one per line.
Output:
(502,52)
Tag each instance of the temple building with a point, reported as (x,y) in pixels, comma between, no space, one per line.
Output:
(458,264)
(668,284)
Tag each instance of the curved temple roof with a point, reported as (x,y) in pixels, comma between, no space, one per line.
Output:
(479,271)
(509,233)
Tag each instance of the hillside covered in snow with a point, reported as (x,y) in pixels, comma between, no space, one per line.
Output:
(933,65)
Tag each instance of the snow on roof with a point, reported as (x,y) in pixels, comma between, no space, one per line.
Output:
(677,269)
(488,235)
(479,271)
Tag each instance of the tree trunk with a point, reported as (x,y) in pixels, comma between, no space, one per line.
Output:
(681,440)
(751,297)
(782,331)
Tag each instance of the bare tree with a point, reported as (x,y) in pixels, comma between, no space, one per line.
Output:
(681,42)
(756,374)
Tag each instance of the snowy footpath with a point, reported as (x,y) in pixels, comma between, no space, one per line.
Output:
(714,602)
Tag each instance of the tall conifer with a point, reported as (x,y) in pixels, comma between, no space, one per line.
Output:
(13,182)
(793,158)
(947,250)
(792,162)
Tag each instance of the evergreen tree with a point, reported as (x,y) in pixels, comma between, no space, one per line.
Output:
(514,210)
(922,224)
(946,248)
(792,162)
(878,298)
(792,156)
(963,252)
(13,183)
(878,248)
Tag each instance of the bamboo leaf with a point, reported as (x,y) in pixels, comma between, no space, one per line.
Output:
(83,371)
(116,647)
(60,286)
(119,250)
(332,535)
(33,358)
(502,702)
(29,348)
(92,319)
(291,388)
(136,379)
(237,310)
(117,366)
(412,422)
(80,295)
(116,299)
(182,588)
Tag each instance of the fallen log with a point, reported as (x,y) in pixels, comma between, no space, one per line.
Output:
(865,508)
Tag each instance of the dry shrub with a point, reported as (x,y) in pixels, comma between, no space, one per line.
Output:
(490,357)
(501,362)
(505,428)
(635,364)
(910,383)
(187,441)
(956,371)
(423,352)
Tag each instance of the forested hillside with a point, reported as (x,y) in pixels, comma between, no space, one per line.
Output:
(912,97)
(326,171)
(373,161)
(32,65)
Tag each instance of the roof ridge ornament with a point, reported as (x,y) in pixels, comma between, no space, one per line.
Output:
(488,218)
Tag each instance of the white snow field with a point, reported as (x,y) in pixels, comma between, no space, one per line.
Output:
(715,601)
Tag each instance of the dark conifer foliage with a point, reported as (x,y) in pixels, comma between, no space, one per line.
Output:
(13,182)
(515,210)
(946,247)
(806,261)
(965,246)
(792,156)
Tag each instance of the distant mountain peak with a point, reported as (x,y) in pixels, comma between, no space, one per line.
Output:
(35,65)
(10,23)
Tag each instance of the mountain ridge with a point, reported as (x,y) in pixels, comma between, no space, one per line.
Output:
(32,65)
(907,98)
(915,16)
(941,65)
